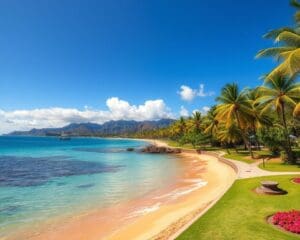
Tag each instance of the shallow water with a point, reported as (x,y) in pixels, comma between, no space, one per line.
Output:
(44,177)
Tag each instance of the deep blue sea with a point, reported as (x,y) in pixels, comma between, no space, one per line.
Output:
(44,177)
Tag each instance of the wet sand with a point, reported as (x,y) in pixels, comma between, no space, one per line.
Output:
(158,215)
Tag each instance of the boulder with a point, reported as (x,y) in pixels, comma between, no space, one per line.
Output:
(160,149)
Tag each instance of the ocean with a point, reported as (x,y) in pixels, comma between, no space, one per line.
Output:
(44,178)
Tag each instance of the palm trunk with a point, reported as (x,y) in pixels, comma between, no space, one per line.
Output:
(288,148)
(243,136)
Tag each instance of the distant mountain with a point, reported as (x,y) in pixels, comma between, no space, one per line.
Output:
(111,128)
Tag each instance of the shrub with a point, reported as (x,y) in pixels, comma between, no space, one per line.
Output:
(273,138)
(289,221)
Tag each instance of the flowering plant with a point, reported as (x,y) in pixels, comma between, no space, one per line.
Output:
(296,180)
(290,221)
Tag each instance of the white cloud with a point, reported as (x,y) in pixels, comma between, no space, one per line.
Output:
(202,93)
(57,117)
(188,94)
(183,112)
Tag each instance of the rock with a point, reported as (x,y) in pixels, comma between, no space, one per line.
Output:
(158,149)
(130,149)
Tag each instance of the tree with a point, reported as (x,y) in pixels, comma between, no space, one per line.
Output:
(196,121)
(230,135)
(273,138)
(234,108)
(259,118)
(288,49)
(282,94)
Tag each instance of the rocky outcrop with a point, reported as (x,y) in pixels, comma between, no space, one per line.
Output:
(159,149)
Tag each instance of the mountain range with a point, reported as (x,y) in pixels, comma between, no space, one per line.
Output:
(111,128)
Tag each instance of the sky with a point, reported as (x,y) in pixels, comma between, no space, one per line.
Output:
(64,61)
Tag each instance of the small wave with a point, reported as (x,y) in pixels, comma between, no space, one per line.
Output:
(145,210)
(198,183)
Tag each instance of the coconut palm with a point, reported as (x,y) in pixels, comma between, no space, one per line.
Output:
(229,135)
(288,49)
(282,94)
(210,124)
(259,118)
(196,121)
(234,108)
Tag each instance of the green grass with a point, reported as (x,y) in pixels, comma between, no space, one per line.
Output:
(279,167)
(244,156)
(240,156)
(241,213)
(176,144)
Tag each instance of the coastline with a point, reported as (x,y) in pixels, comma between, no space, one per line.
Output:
(160,219)
(170,220)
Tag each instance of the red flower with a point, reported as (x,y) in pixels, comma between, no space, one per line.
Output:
(296,180)
(290,221)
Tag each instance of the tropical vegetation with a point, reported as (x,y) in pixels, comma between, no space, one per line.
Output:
(264,116)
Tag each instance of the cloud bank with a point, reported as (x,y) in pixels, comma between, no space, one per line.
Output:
(117,109)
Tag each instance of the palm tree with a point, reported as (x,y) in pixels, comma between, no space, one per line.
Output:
(282,94)
(229,135)
(259,118)
(288,50)
(210,121)
(234,107)
(197,119)
(182,125)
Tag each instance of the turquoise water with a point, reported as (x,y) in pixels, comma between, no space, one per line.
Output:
(43,177)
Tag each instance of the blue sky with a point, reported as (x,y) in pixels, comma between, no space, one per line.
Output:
(72,54)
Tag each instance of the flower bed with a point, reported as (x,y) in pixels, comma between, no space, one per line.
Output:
(290,221)
(296,180)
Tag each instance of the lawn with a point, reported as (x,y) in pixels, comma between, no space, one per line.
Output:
(276,165)
(241,213)
(244,156)
(240,156)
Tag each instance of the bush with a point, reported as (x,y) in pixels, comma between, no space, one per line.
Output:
(289,221)
(273,138)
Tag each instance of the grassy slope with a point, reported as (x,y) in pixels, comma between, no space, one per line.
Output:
(241,213)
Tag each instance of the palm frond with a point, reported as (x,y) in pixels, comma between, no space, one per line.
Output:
(295,3)
(273,34)
(289,38)
(274,52)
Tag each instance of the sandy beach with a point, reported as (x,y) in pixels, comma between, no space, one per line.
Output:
(168,221)
(169,211)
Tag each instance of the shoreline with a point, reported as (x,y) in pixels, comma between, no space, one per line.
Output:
(206,179)
(171,220)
